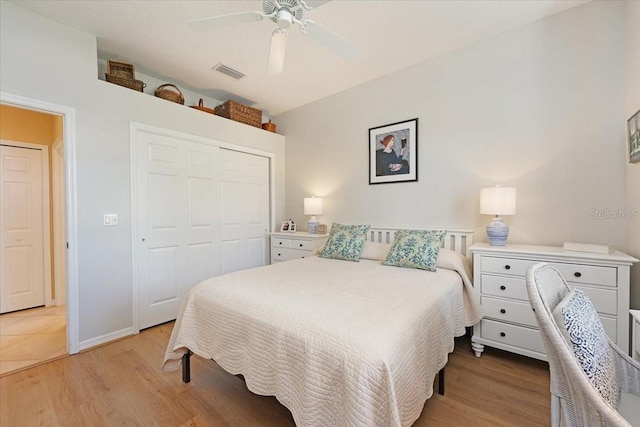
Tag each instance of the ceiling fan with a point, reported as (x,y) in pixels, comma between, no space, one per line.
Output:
(284,13)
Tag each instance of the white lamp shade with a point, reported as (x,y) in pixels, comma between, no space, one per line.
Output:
(498,201)
(313,206)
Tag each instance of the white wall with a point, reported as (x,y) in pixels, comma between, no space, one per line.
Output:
(539,108)
(47,61)
(633,170)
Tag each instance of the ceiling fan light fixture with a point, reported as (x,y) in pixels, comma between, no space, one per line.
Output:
(284,19)
(277,51)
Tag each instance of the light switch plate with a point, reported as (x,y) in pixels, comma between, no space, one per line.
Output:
(110,219)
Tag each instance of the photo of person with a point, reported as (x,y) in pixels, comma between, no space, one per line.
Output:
(393,152)
(634,138)
(390,160)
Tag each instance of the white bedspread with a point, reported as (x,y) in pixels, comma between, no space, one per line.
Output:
(338,343)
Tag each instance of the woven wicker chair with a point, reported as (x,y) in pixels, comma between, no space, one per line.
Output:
(574,399)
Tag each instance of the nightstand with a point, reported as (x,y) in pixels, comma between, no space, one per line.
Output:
(635,334)
(286,245)
(509,323)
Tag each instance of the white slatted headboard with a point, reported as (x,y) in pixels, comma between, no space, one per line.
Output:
(456,240)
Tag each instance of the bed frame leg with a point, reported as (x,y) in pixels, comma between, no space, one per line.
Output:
(186,367)
(441,382)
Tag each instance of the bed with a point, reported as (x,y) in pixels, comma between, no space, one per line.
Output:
(338,343)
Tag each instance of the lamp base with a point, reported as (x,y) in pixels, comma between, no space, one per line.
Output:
(312,225)
(497,232)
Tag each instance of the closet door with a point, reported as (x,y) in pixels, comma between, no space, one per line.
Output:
(200,211)
(244,191)
(177,222)
(22,270)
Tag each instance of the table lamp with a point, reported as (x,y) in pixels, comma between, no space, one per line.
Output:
(313,207)
(498,201)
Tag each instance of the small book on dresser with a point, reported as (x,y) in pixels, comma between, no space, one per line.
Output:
(596,248)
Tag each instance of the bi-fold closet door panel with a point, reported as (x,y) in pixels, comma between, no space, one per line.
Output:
(180,211)
(244,196)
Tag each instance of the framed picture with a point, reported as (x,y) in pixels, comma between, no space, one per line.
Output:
(393,152)
(286,225)
(633,130)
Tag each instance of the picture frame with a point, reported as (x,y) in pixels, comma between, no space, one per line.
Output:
(285,226)
(393,152)
(633,133)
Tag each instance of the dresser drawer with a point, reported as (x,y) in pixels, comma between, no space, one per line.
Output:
(280,243)
(506,287)
(518,336)
(302,244)
(510,266)
(610,326)
(604,300)
(509,311)
(285,254)
(588,274)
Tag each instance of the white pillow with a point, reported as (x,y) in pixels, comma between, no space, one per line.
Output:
(375,251)
(582,329)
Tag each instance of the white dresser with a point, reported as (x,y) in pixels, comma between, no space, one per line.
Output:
(286,246)
(509,324)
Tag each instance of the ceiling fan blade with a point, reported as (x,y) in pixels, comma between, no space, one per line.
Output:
(329,40)
(277,51)
(213,22)
(316,3)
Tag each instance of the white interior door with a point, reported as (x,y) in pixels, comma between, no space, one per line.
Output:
(200,211)
(22,268)
(177,224)
(245,210)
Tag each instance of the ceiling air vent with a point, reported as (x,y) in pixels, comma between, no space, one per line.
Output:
(228,71)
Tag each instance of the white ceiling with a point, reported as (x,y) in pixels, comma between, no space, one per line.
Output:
(389,36)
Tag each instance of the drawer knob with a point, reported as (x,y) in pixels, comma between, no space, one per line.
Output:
(577,274)
(503,311)
(300,244)
(279,243)
(502,334)
(503,287)
(507,267)
(279,254)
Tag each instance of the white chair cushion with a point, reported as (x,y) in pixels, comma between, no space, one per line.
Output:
(581,327)
(629,408)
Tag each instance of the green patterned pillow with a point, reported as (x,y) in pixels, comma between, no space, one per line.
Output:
(415,249)
(345,242)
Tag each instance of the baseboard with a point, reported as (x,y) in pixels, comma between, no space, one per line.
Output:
(106,338)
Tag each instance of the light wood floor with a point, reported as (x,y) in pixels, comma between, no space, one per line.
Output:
(31,337)
(122,384)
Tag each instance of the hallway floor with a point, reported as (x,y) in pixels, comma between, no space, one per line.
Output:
(30,337)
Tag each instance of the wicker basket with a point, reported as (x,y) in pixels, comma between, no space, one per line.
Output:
(240,113)
(170,95)
(126,82)
(121,69)
(201,107)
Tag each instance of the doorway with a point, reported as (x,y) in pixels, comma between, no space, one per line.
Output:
(32,335)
